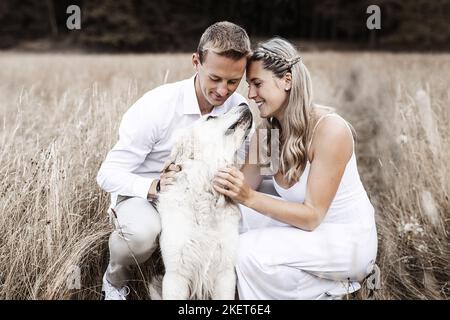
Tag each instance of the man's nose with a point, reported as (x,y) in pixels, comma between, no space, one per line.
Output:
(222,90)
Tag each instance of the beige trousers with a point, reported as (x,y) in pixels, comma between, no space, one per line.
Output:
(137,225)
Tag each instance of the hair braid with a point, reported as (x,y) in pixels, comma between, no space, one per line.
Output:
(275,60)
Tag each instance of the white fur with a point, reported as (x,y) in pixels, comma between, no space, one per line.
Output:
(199,234)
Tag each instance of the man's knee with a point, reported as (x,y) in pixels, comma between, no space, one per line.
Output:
(140,225)
(143,242)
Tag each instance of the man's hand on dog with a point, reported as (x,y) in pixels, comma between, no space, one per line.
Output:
(167,176)
(230,182)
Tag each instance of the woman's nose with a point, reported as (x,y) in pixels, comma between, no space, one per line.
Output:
(251,93)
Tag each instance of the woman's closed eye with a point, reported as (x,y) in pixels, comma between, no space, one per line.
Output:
(257,84)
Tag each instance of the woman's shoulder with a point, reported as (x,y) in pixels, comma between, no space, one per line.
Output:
(332,131)
(333,124)
(327,119)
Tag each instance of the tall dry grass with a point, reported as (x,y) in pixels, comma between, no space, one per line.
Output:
(60,115)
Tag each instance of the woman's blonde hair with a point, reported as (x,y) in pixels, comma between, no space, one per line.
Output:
(280,57)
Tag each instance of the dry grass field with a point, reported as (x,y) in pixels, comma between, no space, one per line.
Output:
(59,115)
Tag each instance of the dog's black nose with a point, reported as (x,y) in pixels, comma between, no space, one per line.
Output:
(247,115)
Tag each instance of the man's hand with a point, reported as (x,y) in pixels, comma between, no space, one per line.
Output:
(166,179)
(167,176)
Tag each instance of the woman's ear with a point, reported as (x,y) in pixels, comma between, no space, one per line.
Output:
(288,81)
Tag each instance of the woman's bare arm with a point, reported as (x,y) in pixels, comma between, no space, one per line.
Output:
(251,171)
(333,149)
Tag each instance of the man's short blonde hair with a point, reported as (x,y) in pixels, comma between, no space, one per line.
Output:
(226,39)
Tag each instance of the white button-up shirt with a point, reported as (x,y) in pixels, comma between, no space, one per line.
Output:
(146,137)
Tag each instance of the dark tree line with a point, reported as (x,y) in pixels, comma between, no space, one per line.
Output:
(146,25)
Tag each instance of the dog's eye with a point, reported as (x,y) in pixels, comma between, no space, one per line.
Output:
(210,117)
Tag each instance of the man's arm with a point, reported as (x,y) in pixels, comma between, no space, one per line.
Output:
(137,136)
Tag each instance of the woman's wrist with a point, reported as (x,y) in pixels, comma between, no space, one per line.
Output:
(251,199)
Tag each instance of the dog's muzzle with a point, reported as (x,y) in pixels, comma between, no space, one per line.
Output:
(245,120)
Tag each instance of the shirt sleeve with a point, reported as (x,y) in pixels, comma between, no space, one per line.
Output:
(138,134)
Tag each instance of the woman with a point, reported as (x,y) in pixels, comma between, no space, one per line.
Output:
(319,239)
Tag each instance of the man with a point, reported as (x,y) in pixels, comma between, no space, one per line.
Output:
(132,170)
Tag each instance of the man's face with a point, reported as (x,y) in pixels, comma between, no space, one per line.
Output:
(218,76)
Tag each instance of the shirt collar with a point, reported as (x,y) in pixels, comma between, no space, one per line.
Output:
(190,101)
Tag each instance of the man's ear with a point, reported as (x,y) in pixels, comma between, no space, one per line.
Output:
(195,60)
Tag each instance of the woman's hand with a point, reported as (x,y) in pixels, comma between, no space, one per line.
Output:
(230,182)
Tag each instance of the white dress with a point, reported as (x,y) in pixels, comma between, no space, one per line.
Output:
(278,261)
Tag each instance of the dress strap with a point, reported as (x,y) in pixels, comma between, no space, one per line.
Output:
(320,119)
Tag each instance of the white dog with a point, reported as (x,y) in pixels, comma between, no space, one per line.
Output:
(199,234)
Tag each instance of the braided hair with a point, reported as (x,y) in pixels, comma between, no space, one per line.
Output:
(274,61)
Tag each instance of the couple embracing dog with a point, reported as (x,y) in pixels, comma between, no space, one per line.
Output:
(173,176)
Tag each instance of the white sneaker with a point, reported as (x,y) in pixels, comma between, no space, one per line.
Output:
(113,293)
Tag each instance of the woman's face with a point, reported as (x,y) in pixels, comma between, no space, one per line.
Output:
(271,94)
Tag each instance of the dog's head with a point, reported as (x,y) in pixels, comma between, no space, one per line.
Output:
(214,140)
